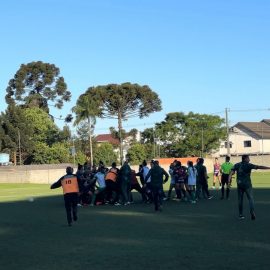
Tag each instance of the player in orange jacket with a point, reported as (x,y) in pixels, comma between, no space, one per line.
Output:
(69,183)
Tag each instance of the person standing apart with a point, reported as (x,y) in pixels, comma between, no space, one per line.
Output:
(216,174)
(69,183)
(243,170)
(225,170)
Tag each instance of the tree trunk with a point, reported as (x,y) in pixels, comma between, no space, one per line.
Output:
(90,140)
(120,137)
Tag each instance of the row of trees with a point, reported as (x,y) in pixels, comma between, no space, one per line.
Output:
(28,129)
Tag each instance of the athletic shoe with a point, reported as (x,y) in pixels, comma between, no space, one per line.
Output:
(193,202)
(253,217)
(99,203)
(241,217)
(117,204)
(210,197)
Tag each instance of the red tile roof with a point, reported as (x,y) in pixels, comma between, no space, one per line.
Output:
(106,138)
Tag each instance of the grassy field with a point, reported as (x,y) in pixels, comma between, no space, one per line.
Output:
(207,235)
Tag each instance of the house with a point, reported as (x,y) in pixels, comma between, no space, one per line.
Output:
(251,138)
(103,138)
(107,138)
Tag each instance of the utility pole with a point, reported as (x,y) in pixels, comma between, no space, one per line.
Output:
(90,140)
(154,146)
(19,142)
(202,143)
(73,152)
(227,132)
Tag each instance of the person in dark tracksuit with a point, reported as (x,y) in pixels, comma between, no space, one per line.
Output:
(156,173)
(69,183)
(202,183)
(124,177)
(243,170)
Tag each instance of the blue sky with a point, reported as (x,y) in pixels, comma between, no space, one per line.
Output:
(198,55)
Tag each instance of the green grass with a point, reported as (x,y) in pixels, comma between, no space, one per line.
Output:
(208,235)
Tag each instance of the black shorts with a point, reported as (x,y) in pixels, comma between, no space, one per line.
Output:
(225,179)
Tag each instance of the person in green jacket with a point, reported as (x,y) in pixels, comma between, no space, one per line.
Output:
(156,183)
(243,170)
(225,170)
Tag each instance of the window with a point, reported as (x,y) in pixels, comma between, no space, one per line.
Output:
(247,143)
(226,144)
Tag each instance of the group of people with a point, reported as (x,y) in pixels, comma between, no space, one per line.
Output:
(101,185)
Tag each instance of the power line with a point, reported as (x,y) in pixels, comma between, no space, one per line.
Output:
(250,110)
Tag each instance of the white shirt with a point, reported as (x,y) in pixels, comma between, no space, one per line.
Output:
(100,179)
(192,174)
(145,172)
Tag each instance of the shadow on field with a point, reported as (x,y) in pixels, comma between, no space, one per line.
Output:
(206,235)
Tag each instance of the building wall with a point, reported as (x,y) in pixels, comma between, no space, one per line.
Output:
(237,139)
(41,174)
(49,174)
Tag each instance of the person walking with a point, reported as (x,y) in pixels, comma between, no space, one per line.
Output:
(69,183)
(244,186)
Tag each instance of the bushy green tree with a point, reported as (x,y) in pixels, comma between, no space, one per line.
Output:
(44,129)
(190,134)
(106,153)
(80,157)
(16,132)
(44,154)
(136,154)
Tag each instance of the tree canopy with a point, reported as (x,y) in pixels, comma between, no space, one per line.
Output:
(123,101)
(190,134)
(36,84)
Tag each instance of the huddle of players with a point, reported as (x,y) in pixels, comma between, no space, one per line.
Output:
(101,185)
(114,185)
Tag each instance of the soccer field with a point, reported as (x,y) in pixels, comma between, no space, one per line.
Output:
(206,235)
